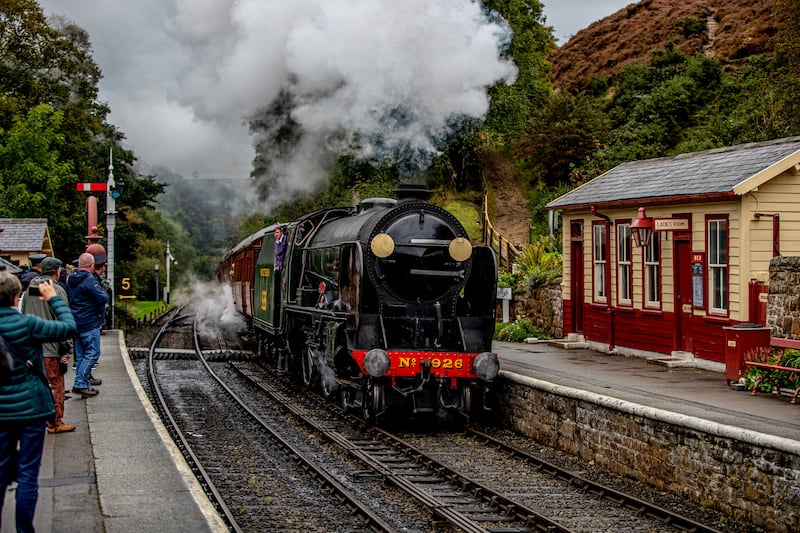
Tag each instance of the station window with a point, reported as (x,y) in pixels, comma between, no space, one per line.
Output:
(599,239)
(717,233)
(624,264)
(652,273)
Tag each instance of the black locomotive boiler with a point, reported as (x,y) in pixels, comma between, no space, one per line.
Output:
(386,304)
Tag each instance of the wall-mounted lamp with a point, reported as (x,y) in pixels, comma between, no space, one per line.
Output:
(642,229)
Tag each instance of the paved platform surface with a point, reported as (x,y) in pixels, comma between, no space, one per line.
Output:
(119,472)
(700,393)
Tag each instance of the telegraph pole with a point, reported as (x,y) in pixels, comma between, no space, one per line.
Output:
(111,224)
(169,260)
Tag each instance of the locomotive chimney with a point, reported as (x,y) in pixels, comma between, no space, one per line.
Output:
(406,192)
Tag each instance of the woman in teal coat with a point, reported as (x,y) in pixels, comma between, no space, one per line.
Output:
(25,398)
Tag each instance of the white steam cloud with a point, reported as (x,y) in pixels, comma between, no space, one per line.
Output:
(315,78)
(213,303)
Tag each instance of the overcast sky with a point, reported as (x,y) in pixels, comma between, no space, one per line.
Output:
(183,76)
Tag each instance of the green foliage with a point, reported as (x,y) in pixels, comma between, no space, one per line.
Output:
(509,280)
(790,358)
(53,130)
(560,136)
(469,216)
(517,331)
(691,26)
(511,105)
(31,175)
(539,263)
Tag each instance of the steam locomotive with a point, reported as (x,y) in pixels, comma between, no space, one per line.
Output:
(386,304)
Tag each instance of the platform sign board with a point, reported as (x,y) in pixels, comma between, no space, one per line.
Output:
(670,224)
(698,279)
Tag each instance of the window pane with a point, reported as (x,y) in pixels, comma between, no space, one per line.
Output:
(718,264)
(625,282)
(624,243)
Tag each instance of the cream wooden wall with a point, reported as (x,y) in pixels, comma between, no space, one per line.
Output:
(737,282)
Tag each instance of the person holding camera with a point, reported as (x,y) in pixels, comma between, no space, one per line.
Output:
(56,354)
(26,402)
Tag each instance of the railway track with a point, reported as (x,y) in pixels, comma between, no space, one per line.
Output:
(463,481)
(248,477)
(474,482)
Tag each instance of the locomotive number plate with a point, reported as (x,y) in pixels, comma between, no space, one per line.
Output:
(412,363)
(440,363)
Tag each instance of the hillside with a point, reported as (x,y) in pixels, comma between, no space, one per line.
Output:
(728,30)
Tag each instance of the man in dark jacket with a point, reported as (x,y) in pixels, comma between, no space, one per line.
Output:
(87,299)
(33,271)
(55,353)
(25,401)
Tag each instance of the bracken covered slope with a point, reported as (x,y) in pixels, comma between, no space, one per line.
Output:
(728,30)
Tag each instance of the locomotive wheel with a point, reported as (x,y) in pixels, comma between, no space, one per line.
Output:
(310,373)
(371,402)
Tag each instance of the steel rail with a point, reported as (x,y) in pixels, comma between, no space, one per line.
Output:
(494,501)
(642,507)
(375,522)
(194,462)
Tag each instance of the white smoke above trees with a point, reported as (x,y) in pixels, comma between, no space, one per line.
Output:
(197,85)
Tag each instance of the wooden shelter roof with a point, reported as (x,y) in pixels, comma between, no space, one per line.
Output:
(710,175)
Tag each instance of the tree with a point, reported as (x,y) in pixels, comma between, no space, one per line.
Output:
(53,130)
(512,105)
(561,136)
(788,12)
(31,174)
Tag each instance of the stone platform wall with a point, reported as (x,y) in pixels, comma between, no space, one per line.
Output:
(743,474)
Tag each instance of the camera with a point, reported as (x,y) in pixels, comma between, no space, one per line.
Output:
(34,291)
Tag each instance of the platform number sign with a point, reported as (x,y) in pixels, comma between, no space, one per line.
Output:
(125,285)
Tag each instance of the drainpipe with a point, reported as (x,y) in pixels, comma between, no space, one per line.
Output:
(609,307)
(776,231)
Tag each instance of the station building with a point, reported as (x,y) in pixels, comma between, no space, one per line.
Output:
(22,237)
(661,255)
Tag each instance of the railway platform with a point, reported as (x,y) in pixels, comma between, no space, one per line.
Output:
(695,390)
(119,470)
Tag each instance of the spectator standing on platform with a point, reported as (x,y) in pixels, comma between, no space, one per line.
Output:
(57,353)
(100,276)
(280,248)
(32,272)
(87,299)
(26,402)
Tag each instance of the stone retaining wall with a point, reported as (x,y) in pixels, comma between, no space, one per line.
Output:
(544,307)
(783,304)
(746,475)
